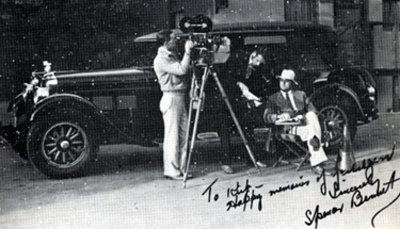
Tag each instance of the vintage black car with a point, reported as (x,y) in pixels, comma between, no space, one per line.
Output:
(61,118)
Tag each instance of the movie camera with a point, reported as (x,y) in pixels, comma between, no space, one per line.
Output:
(211,48)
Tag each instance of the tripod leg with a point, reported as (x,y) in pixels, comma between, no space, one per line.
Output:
(196,122)
(193,98)
(245,142)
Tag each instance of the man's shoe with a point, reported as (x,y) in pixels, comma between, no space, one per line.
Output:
(189,176)
(325,167)
(227,169)
(315,143)
(317,170)
(179,177)
(261,164)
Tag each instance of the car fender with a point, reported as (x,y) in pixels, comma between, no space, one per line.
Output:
(50,104)
(55,104)
(337,88)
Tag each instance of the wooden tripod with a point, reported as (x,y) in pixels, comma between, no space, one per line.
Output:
(195,104)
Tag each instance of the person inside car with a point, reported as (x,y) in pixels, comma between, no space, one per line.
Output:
(171,74)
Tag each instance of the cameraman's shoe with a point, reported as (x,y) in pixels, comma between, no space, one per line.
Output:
(261,164)
(227,169)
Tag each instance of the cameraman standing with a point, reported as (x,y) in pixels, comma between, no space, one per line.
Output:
(173,83)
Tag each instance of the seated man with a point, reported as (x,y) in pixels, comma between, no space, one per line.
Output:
(289,103)
(253,85)
(257,84)
(258,79)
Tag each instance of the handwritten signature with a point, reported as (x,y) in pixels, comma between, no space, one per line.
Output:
(241,196)
(319,216)
(357,198)
(246,196)
(290,187)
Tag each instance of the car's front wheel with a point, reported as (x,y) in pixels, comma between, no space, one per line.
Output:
(60,148)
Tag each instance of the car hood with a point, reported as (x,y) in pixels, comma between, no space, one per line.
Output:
(107,79)
(131,74)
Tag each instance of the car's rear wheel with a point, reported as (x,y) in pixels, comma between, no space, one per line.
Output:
(333,119)
(60,147)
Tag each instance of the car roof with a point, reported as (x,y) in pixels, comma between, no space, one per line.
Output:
(251,26)
(254,27)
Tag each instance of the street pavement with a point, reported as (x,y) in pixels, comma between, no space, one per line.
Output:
(127,190)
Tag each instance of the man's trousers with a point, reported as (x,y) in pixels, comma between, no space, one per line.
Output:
(173,109)
(307,132)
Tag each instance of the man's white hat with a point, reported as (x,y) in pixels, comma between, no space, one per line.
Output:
(288,75)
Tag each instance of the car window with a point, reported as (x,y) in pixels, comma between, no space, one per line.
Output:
(259,40)
(292,51)
(307,60)
(306,53)
(274,49)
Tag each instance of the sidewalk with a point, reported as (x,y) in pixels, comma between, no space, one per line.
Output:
(285,199)
(276,198)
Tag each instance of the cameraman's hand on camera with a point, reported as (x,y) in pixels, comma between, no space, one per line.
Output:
(188,46)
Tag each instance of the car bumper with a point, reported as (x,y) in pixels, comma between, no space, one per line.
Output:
(371,116)
(8,134)
(375,115)
(4,140)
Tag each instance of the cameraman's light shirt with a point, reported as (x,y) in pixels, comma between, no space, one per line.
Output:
(170,71)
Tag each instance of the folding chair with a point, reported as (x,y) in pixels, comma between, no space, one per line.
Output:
(293,144)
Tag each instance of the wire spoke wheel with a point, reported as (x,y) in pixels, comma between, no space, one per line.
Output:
(332,120)
(64,144)
(61,147)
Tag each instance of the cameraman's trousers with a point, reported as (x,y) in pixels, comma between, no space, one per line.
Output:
(173,109)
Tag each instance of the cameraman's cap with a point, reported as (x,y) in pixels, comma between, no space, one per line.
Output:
(288,75)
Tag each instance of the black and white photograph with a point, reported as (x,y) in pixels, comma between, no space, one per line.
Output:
(121,114)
